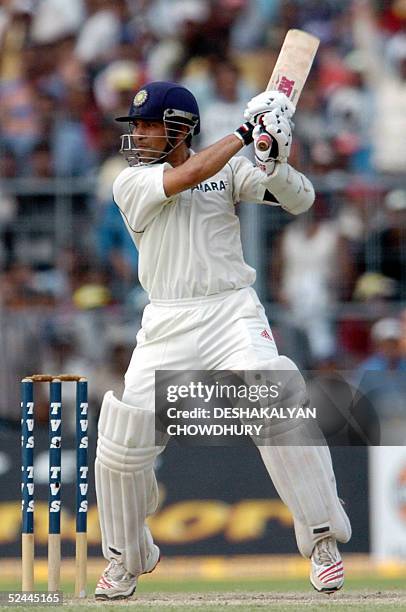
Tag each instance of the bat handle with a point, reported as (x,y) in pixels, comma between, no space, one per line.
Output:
(264,142)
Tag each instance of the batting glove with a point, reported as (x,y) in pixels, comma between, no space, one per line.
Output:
(279,128)
(268,101)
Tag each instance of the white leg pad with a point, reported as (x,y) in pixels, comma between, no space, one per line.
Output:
(304,479)
(126,486)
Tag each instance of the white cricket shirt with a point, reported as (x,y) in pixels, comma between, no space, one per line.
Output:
(189,244)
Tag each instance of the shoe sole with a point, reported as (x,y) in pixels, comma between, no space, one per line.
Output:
(326,590)
(115,597)
(127,596)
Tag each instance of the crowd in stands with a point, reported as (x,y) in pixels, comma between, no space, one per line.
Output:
(70,296)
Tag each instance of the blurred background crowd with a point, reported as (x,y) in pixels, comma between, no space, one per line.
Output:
(333,280)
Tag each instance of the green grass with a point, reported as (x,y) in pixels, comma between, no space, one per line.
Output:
(147,585)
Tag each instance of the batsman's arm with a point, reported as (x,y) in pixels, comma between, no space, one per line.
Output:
(286,186)
(291,188)
(141,193)
(201,166)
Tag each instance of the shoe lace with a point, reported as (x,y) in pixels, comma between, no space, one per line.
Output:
(324,552)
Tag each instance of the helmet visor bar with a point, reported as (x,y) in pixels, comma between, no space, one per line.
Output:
(170,113)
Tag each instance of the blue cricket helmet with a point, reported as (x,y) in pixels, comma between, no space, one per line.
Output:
(161,100)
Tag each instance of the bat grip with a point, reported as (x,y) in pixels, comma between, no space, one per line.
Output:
(264,142)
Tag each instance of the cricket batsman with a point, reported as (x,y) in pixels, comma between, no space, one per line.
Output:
(179,208)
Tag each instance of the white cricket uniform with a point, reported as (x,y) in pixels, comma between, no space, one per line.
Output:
(203,313)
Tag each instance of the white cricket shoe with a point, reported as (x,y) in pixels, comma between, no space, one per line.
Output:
(117,583)
(327,571)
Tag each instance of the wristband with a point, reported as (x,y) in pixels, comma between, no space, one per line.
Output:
(244,133)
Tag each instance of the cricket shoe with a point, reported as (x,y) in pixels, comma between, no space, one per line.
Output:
(327,571)
(117,583)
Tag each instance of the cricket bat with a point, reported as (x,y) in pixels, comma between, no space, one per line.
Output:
(291,70)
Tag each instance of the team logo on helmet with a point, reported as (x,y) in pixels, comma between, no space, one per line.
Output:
(140,97)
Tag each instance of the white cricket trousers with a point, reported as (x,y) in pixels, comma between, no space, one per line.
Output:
(223,332)
(227,331)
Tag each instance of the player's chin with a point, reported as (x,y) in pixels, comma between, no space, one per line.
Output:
(148,156)
(156,156)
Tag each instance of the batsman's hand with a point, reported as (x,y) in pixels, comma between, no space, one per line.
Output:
(268,101)
(273,137)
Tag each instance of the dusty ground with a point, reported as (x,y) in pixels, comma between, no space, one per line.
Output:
(362,600)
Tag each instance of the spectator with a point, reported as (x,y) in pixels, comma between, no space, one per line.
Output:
(385,249)
(100,32)
(111,164)
(386,354)
(381,378)
(388,84)
(252,23)
(312,131)
(349,114)
(73,139)
(311,265)
(109,373)
(180,30)
(359,208)
(15,23)
(224,109)
(117,252)
(63,354)
(22,314)
(113,85)
(8,213)
(402,318)
(33,243)
(19,119)
(54,19)
(164,18)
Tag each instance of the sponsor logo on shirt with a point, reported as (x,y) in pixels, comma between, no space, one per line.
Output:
(211,186)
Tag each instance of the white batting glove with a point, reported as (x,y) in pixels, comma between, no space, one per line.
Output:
(268,101)
(272,137)
(264,159)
